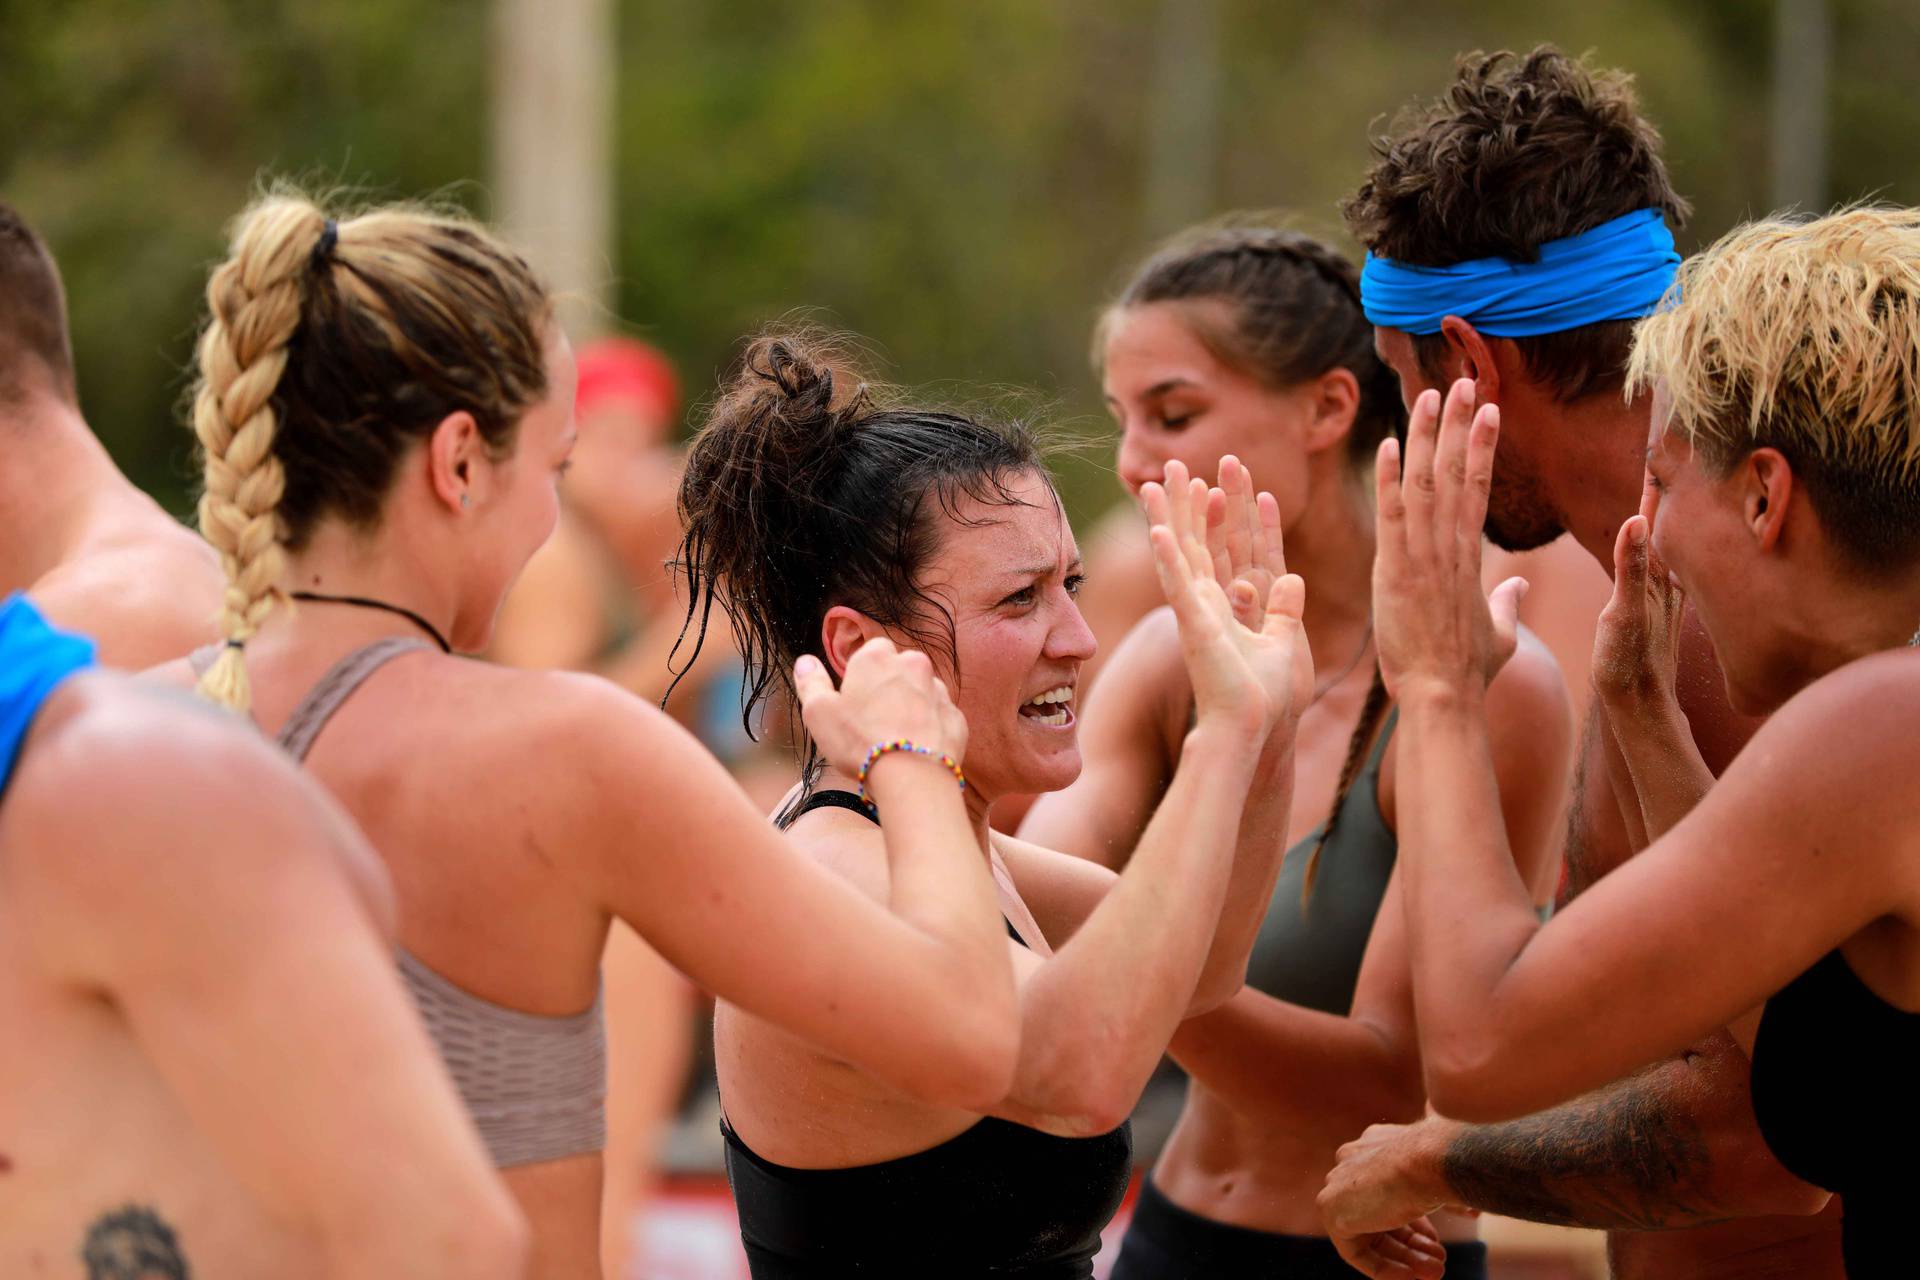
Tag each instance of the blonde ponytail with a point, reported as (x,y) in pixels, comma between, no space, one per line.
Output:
(254,301)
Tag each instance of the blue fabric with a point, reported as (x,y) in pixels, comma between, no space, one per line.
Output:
(1617,271)
(34,659)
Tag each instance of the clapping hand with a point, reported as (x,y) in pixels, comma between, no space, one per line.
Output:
(1434,627)
(1221,565)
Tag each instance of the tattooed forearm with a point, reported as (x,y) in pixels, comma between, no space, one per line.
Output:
(133,1243)
(1620,1159)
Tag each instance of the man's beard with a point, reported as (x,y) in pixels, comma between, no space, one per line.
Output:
(1519,517)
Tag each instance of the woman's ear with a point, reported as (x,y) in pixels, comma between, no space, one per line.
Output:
(1334,400)
(842,632)
(1766,486)
(455,452)
(1473,357)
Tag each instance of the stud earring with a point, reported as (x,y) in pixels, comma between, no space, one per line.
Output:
(465,499)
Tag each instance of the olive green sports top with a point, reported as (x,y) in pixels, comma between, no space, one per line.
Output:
(1311,955)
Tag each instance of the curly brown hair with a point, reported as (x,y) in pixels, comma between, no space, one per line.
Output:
(1519,151)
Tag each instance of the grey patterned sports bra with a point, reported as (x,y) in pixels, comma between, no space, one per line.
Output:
(536,1086)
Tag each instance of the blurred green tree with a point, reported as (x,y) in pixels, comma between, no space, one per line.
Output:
(961,183)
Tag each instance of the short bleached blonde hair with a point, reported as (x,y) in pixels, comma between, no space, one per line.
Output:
(1804,336)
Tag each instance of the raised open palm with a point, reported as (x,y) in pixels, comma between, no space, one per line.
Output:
(1245,649)
(1243,537)
(1432,622)
(1636,645)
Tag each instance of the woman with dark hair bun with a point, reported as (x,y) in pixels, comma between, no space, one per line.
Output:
(1242,342)
(824,520)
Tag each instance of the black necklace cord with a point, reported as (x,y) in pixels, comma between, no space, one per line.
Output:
(362,602)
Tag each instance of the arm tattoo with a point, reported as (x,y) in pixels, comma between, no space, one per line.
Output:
(1620,1159)
(133,1243)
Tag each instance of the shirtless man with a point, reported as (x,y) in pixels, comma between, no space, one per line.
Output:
(1522,152)
(95,553)
(210,1066)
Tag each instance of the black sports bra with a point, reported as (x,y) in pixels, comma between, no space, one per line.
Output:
(1000,1199)
(1834,1074)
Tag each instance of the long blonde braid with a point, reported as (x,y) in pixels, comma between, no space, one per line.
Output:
(254,301)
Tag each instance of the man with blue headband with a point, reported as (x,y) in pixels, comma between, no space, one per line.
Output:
(1516,229)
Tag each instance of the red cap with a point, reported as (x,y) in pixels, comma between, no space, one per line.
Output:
(623,368)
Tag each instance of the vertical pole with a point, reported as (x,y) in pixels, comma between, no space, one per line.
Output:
(1183,123)
(552,132)
(1802,54)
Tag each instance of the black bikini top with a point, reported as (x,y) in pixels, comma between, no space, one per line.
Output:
(1030,1204)
(1834,1068)
(848,800)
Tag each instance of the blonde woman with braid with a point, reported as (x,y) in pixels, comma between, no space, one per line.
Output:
(1241,345)
(385,408)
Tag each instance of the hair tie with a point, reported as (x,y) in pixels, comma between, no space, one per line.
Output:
(236,644)
(323,251)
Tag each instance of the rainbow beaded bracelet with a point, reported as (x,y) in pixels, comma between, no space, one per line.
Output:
(902,744)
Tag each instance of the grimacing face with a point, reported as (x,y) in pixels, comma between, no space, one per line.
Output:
(1009,575)
(1520,516)
(1173,399)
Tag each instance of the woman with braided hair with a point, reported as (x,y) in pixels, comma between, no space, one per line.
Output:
(1241,345)
(385,408)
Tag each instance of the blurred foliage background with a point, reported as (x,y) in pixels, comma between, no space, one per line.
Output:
(962,182)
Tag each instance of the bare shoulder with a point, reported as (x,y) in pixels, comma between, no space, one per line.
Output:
(1151,644)
(846,844)
(1530,693)
(109,754)
(131,798)
(1832,770)
(1146,678)
(143,601)
(591,763)
(98,724)
(567,719)
(1853,727)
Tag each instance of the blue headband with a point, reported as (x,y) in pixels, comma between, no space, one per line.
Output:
(1617,271)
(34,659)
